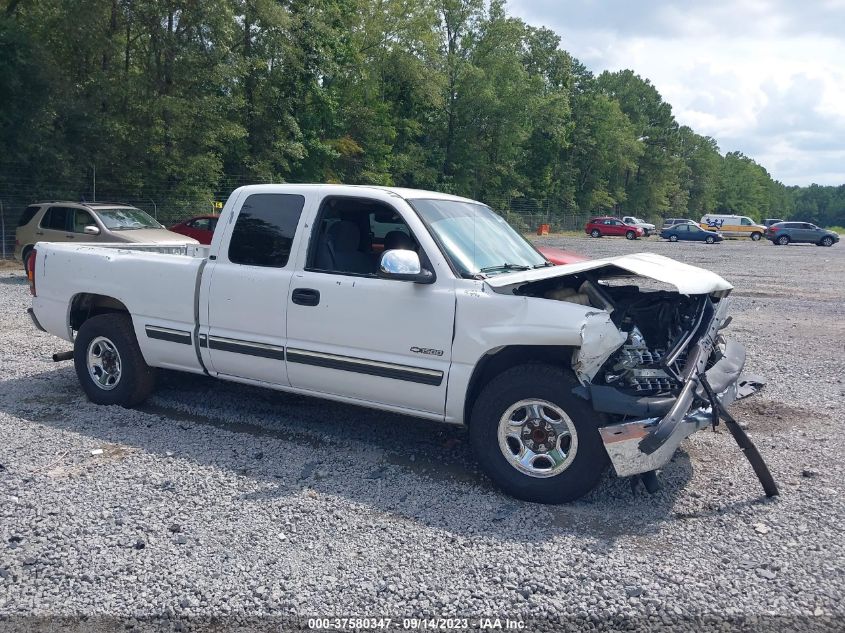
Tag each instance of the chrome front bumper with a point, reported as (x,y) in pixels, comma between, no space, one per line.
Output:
(643,445)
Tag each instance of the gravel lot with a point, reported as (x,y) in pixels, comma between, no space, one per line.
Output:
(221,501)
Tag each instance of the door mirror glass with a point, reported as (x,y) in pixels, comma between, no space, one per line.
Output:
(403,265)
(90,229)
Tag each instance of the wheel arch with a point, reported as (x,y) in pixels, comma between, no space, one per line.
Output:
(26,250)
(85,305)
(498,360)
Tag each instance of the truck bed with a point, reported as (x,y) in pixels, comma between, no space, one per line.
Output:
(156,283)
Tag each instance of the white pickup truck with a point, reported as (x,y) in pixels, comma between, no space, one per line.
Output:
(414,302)
(647,227)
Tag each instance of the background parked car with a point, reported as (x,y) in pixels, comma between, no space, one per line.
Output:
(88,222)
(200,227)
(785,233)
(690,233)
(647,227)
(769,221)
(673,221)
(605,225)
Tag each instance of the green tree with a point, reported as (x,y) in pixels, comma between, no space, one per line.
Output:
(655,184)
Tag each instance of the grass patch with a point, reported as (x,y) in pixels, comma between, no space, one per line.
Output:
(837,229)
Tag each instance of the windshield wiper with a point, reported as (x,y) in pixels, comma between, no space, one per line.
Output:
(544,265)
(505,266)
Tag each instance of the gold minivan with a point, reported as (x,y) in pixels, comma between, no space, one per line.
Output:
(88,222)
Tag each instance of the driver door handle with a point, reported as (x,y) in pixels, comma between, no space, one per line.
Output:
(305,296)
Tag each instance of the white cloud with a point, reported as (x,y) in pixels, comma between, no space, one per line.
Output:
(762,77)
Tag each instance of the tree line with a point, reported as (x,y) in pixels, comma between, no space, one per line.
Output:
(174,96)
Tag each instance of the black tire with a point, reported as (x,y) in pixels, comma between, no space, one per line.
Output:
(756,236)
(552,385)
(595,233)
(710,239)
(630,235)
(783,240)
(135,380)
(826,241)
(673,238)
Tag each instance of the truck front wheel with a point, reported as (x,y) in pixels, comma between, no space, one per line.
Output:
(108,362)
(534,438)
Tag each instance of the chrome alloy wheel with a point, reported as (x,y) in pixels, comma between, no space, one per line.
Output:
(537,438)
(103,362)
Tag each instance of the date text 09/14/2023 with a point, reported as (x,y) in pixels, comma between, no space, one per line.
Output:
(414,624)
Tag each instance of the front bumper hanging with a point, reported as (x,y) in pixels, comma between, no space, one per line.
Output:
(643,445)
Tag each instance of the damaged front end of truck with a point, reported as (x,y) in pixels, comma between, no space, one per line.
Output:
(653,361)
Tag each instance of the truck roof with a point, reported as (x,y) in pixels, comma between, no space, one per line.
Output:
(341,189)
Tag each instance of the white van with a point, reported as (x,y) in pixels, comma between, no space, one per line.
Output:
(733,225)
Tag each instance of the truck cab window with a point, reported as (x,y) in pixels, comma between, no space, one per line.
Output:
(351,234)
(264,230)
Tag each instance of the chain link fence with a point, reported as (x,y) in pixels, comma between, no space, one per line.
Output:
(16,193)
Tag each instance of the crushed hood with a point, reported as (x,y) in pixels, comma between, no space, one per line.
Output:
(689,280)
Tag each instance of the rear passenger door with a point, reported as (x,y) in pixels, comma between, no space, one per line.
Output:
(243,331)
(794,231)
(54,225)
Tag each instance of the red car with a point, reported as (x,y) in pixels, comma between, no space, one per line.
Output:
(559,256)
(201,228)
(597,227)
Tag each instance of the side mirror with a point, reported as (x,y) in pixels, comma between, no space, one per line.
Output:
(91,230)
(404,266)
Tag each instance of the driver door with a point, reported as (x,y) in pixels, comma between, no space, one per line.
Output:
(696,233)
(355,335)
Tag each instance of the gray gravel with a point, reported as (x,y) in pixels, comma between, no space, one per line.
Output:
(218,500)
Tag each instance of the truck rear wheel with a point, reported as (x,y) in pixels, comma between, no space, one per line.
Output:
(534,438)
(108,362)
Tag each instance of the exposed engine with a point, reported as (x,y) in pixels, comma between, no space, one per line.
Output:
(637,368)
(655,321)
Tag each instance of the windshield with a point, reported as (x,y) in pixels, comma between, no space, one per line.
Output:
(126,218)
(475,239)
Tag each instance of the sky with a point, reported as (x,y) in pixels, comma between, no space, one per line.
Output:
(763,77)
